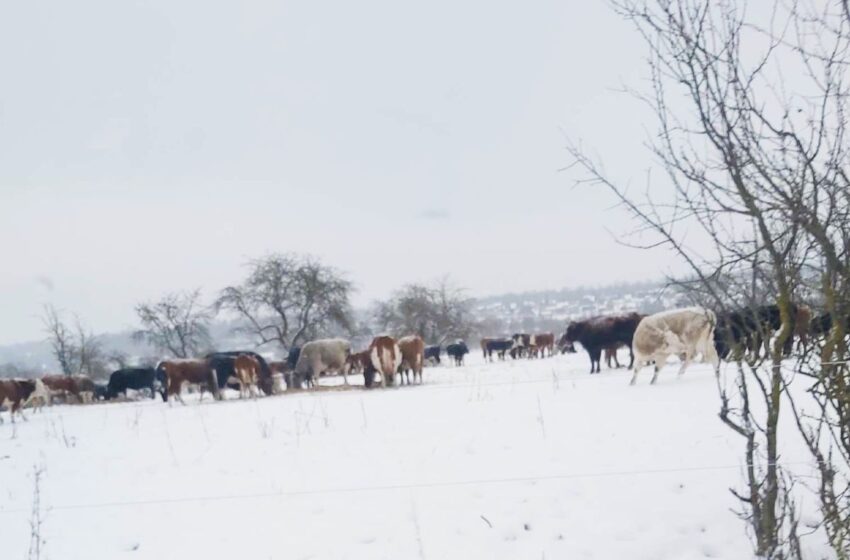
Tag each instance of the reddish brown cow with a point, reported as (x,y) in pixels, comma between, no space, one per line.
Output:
(802,326)
(611,355)
(15,393)
(199,372)
(540,344)
(484,350)
(247,370)
(412,357)
(80,386)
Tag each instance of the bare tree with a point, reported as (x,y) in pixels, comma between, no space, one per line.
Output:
(289,299)
(61,339)
(436,313)
(76,349)
(756,161)
(177,324)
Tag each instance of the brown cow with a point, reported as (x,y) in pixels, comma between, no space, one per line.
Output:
(385,356)
(802,326)
(412,357)
(540,343)
(15,393)
(199,372)
(80,386)
(611,355)
(484,348)
(247,370)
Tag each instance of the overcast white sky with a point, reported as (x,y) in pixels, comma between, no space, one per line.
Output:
(156,146)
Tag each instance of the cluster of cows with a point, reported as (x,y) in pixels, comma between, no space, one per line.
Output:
(686,333)
(245,371)
(690,332)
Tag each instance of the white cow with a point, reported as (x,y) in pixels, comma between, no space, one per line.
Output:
(322,356)
(680,332)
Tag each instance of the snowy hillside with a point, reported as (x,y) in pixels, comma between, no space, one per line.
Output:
(523,459)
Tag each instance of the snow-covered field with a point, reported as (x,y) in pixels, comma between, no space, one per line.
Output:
(525,459)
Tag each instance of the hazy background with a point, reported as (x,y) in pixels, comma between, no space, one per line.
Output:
(155,146)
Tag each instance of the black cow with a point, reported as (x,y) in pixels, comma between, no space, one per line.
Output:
(433,353)
(222,362)
(136,379)
(499,345)
(598,333)
(746,329)
(521,345)
(101,391)
(822,324)
(457,351)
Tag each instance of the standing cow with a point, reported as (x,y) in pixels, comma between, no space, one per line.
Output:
(432,354)
(541,343)
(320,357)
(199,372)
(412,358)
(17,393)
(457,351)
(598,333)
(500,346)
(680,332)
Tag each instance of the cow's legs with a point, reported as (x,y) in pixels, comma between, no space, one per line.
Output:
(659,363)
(595,359)
(686,359)
(635,369)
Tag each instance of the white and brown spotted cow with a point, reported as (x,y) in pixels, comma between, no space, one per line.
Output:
(16,393)
(385,356)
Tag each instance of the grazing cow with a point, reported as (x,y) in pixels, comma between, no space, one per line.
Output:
(137,379)
(385,356)
(432,354)
(224,363)
(361,362)
(748,330)
(247,373)
(200,372)
(281,373)
(322,357)
(597,333)
(16,393)
(412,358)
(540,343)
(80,386)
(678,332)
(500,346)
(86,388)
(101,390)
(457,351)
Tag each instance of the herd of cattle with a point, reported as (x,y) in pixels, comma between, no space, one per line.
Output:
(651,339)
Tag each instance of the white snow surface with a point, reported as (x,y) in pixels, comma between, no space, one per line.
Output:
(518,459)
